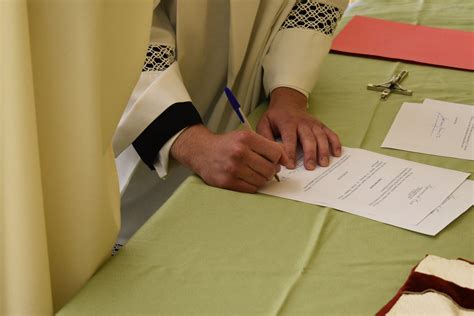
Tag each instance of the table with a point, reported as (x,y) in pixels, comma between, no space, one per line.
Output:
(210,251)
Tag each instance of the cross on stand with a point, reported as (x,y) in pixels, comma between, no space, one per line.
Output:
(393,85)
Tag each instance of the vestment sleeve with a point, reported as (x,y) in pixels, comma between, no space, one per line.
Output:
(299,47)
(160,106)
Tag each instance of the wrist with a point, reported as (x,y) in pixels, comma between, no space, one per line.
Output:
(284,96)
(190,145)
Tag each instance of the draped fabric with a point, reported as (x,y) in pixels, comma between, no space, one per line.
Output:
(67,69)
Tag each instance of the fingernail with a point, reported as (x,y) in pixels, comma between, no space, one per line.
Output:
(291,164)
(338,152)
(311,164)
(324,161)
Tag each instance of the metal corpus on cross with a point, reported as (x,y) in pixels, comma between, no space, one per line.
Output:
(393,85)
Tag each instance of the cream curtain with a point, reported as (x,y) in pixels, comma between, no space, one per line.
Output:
(67,69)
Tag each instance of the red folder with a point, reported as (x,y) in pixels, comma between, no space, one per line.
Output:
(401,41)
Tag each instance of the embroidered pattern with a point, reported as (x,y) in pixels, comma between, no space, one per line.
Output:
(158,57)
(116,249)
(318,16)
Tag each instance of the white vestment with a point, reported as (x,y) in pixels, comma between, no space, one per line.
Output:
(204,45)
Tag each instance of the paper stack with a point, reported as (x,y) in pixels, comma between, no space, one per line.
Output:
(398,192)
(434,127)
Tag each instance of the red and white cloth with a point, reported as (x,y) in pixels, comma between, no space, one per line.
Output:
(436,286)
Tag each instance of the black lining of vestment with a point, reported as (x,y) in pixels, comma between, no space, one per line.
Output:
(175,118)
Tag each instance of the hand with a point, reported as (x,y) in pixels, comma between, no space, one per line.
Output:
(287,117)
(241,160)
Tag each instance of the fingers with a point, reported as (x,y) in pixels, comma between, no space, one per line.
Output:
(270,150)
(264,158)
(309,144)
(288,134)
(237,177)
(252,177)
(284,159)
(236,184)
(245,178)
(334,142)
(252,159)
(264,128)
(261,166)
(243,186)
(244,161)
(318,142)
(323,146)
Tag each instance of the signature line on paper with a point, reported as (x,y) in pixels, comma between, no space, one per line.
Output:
(439,126)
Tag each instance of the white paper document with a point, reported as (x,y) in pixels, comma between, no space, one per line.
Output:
(390,190)
(434,127)
(451,208)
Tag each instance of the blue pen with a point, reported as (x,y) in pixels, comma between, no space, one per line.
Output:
(236,107)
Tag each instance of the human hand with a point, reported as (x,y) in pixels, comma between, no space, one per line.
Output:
(241,160)
(288,118)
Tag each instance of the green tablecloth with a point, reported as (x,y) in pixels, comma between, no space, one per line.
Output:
(211,251)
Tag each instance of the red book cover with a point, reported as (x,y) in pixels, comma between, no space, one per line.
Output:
(401,41)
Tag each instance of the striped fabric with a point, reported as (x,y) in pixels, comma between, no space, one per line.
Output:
(436,286)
